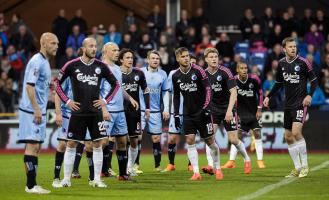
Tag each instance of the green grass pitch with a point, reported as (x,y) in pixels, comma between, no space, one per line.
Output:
(174,185)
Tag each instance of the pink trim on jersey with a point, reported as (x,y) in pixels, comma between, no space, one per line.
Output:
(60,91)
(62,70)
(203,73)
(227,71)
(117,86)
(208,97)
(260,91)
(309,65)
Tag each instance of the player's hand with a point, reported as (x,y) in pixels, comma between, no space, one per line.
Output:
(106,115)
(259,113)
(229,116)
(74,106)
(165,115)
(37,116)
(59,119)
(134,103)
(266,101)
(147,114)
(177,122)
(307,100)
(99,103)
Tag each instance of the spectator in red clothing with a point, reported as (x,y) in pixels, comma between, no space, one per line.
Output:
(199,49)
(314,36)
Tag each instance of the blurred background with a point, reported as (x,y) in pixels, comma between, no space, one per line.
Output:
(242,31)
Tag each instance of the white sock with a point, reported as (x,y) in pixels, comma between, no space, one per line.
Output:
(293,151)
(132,154)
(98,162)
(214,151)
(69,158)
(259,149)
(233,152)
(301,146)
(240,146)
(209,156)
(192,154)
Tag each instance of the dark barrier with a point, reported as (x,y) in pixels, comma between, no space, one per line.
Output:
(316,132)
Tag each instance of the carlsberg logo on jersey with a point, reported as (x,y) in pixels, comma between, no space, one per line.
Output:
(130,86)
(247,93)
(92,80)
(216,87)
(190,87)
(292,78)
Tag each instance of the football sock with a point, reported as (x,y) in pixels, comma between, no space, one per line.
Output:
(122,161)
(106,155)
(209,156)
(233,152)
(90,165)
(59,157)
(31,166)
(293,151)
(79,151)
(214,151)
(240,146)
(110,148)
(98,161)
(301,145)
(259,149)
(132,154)
(157,154)
(192,154)
(139,152)
(171,153)
(69,157)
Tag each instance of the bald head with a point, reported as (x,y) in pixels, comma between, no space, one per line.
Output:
(89,47)
(49,44)
(87,41)
(110,52)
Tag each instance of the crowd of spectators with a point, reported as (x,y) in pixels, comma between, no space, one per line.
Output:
(259,46)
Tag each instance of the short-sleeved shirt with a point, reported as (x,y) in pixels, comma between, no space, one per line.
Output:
(132,82)
(157,83)
(38,74)
(294,76)
(250,96)
(116,104)
(221,82)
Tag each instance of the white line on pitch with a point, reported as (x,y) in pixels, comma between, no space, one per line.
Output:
(285,181)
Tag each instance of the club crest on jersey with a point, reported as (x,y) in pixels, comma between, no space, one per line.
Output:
(251,85)
(297,68)
(136,78)
(194,77)
(219,78)
(98,70)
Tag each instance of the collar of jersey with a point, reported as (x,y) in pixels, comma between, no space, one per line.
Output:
(187,71)
(292,60)
(214,71)
(88,64)
(243,81)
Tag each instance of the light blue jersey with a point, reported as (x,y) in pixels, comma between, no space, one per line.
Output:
(67,88)
(37,73)
(117,126)
(157,83)
(116,104)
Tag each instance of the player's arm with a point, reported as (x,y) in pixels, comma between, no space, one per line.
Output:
(110,78)
(176,102)
(31,94)
(231,85)
(276,87)
(313,81)
(207,89)
(62,76)
(127,97)
(58,110)
(32,77)
(165,99)
(146,94)
(259,92)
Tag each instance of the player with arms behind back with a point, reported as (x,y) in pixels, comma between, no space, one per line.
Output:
(293,73)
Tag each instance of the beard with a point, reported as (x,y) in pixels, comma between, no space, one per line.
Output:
(90,55)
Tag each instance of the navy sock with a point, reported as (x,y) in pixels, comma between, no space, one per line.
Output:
(171,153)
(78,155)
(59,157)
(139,146)
(31,166)
(106,154)
(157,154)
(90,165)
(110,146)
(122,161)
